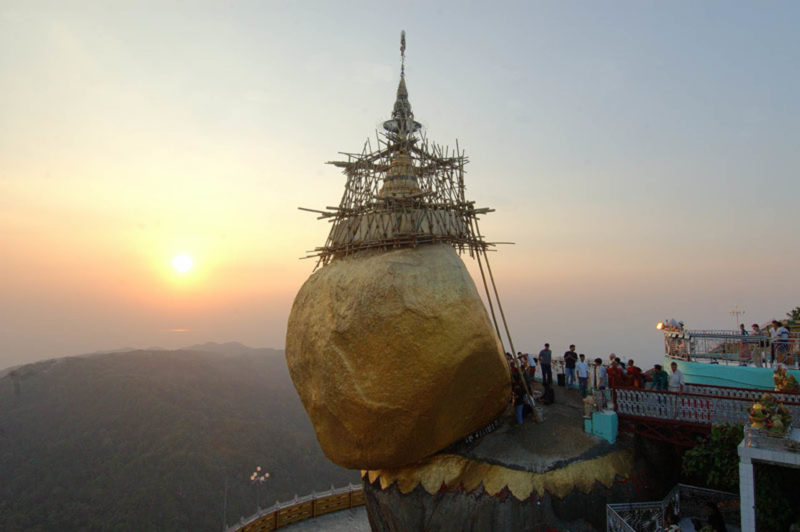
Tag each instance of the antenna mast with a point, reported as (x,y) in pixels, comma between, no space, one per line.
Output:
(736,312)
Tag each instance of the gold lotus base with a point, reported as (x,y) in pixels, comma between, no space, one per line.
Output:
(454,472)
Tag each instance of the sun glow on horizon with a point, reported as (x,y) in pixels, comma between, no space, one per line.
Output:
(182,263)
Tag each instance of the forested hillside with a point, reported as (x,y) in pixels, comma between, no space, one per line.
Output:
(149,440)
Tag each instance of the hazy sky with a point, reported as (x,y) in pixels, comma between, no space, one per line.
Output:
(643,157)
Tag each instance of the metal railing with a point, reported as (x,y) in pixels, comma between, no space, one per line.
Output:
(635,517)
(282,514)
(730,347)
(682,500)
(699,404)
(740,393)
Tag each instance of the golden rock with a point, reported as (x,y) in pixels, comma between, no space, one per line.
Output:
(394,356)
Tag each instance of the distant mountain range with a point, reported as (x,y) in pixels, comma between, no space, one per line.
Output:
(226,348)
(153,440)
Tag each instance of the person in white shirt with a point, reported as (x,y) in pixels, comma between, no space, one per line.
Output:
(780,342)
(600,380)
(676,380)
(582,371)
(532,365)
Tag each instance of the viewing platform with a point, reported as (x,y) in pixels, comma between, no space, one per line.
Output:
(538,447)
(679,417)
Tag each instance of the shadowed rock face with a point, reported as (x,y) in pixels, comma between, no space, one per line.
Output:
(572,497)
(391,511)
(394,356)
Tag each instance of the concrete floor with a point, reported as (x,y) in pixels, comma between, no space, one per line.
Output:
(353,520)
(539,447)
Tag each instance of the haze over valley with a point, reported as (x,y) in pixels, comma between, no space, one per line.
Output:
(149,440)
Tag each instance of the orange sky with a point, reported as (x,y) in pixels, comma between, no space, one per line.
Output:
(644,162)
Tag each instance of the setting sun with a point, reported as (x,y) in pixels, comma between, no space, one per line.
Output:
(182,263)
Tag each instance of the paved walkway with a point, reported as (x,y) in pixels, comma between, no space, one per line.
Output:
(353,520)
(539,447)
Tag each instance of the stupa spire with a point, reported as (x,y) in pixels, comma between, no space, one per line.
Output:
(404,192)
(402,123)
(402,54)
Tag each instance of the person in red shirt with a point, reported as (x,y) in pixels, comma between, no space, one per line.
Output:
(634,374)
(616,377)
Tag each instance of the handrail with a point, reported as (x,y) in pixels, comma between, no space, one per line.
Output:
(301,508)
(615,522)
(725,333)
(721,392)
(749,394)
(719,386)
(692,407)
(730,346)
(651,515)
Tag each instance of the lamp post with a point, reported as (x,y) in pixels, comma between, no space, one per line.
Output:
(257,478)
(225,505)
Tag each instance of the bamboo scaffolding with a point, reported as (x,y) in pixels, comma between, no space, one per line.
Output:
(367,219)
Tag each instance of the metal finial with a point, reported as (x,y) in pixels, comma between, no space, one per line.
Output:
(403,52)
(402,122)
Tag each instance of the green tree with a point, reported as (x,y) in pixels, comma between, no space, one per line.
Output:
(776,491)
(794,314)
(714,461)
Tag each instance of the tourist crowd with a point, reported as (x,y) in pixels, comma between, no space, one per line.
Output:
(765,348)
(581,375)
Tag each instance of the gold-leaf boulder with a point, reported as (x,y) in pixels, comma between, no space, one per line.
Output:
(394,356)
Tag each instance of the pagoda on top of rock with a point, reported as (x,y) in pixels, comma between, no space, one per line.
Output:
(404,192)
(388,343)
